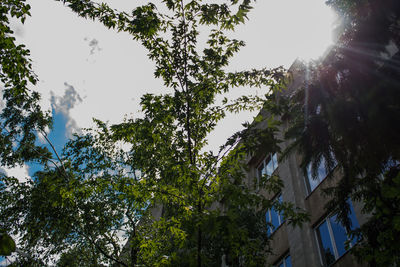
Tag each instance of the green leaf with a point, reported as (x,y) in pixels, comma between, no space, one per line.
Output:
(7,245)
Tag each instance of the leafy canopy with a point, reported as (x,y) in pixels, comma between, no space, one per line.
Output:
(174,202)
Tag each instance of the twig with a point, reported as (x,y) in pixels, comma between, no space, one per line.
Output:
(101,250)
(53,148)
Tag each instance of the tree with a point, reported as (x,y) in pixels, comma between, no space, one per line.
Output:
(7,244)
(21,117)
(348,112)
(99,192)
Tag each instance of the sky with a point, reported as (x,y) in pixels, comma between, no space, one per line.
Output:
(88,71)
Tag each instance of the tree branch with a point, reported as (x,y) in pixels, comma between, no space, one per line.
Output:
(53,148)
(100,249)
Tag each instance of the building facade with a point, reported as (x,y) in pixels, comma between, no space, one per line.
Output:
(320,242)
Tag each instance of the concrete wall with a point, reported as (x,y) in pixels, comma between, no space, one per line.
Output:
(300,243)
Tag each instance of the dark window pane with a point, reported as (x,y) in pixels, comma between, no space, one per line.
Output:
(275,161)
(322,170)
(288,261)
(332,235)
(321,175)
(268,219)
(325,244)
(281,212)
(272,164)
(274,218)
(270,167)
(339,234)
(312,183)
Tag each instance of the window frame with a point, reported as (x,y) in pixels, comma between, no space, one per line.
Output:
(280,217)
(270,157)
(309,180)
(283,261)
(332,238)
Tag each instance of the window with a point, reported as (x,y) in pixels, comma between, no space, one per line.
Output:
(285,262)
(268,165)
(274,218)
(322,173)
(332,237)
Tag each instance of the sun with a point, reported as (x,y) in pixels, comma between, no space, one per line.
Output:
(279,31)
(312,25)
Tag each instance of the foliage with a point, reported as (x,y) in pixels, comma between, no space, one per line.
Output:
(79,208)
(21,118)
(7,244)
(175,203)
(348,112)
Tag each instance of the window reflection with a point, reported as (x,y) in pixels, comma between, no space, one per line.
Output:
(326,243)
(285,262)
(288,261)
(322,173)
(332,237)
(268,165)
(274,217)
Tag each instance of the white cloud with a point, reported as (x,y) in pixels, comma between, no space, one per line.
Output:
(19,172)
(93,44)
(63,104)
(113,81)
(67,102)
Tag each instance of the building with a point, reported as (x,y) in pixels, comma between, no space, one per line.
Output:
(321,242)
